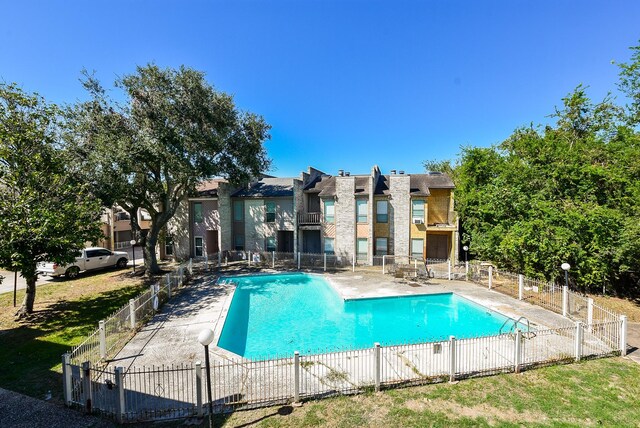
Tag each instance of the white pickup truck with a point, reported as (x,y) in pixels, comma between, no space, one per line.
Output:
(89,259)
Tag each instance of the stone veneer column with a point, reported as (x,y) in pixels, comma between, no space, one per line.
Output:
(225,233)
(345,210)
(373,178)
(298,206)
(400,201)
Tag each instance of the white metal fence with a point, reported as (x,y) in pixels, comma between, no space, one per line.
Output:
(289,261)
(400,266)
(551,296)
(114,331)
(157,393)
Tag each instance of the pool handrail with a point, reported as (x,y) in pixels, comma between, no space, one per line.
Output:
(515,323)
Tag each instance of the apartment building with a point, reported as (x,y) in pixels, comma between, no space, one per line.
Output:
(364,215)
(116,227)
(375,215)
(257,217)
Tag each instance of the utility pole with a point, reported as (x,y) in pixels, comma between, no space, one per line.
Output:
(15,287)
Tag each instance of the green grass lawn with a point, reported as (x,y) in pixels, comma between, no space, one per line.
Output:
(593,393)
(65,313)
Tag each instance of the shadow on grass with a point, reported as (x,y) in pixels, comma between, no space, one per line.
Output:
(221,418)
(31,352)
(70,319)
(28,359)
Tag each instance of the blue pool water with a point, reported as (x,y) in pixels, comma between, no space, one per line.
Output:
(278,314)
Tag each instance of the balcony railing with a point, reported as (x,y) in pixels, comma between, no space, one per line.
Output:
(308,218)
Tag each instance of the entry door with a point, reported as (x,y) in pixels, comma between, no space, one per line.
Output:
(285,241)
(211,237)
(438,247)
(311,241)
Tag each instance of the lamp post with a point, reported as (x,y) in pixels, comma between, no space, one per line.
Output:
(205,338)
(133,249)
(565,267)
(466,250)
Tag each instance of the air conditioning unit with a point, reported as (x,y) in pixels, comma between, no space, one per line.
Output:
(418,221)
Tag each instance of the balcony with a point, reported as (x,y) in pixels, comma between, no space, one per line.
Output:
(451,225)
(309,219)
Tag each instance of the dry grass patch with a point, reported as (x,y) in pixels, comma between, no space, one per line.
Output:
(490,413)
(630,308)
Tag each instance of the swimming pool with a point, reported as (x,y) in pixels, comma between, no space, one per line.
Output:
(278,314)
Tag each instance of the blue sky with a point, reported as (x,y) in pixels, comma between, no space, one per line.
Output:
(345,84)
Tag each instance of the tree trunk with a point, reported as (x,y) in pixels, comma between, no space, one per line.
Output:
(150,259)
(29,297)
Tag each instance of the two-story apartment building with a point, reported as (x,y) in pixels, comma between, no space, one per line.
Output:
(375,215)
(257,217)
(263,216)
(364,215)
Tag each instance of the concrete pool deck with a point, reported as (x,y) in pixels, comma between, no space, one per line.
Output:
(170,337)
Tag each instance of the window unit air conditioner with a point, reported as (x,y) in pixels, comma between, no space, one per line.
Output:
(418,221)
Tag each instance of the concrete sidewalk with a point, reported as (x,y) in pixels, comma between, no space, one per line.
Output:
(633,341)
(18,411)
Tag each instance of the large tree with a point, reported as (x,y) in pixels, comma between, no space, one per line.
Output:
(46,213)
(565,192)
(173,130)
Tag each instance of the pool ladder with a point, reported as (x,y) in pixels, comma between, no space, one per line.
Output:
(527,334)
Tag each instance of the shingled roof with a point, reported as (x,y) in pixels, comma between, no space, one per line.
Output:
(439,180)
(267,188)
(210,187)
(362,185)
(326,186)
(418,185)
(421,183)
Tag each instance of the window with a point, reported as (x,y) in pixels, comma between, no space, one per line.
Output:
(361,249)
(329,211)
(361,209)
(329,245)
(270,243)
(271,212)
(198,246)
(168,246)
(122,216)
(382,212)
(238,241)
(103,253)
(238,208)
(381,246)
(197,212)
(417,208)
(92,253)
(144,215)
(417,248)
